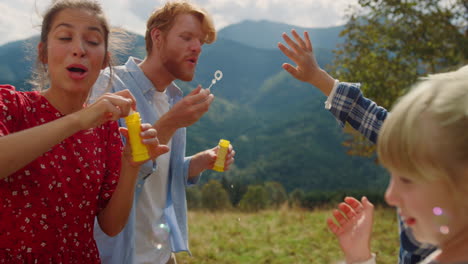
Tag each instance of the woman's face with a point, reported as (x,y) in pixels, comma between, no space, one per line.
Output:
(76,51)
(428,208)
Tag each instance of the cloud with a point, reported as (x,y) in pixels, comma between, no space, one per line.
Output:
(20,17)
(305,13)
(143,8)
(122,13)
(15,23)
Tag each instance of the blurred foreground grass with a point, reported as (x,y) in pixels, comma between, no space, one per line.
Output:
(281,236)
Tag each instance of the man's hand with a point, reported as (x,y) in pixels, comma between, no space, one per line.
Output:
(184,113)
(205,160)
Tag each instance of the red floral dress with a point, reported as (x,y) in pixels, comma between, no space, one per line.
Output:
(47,209)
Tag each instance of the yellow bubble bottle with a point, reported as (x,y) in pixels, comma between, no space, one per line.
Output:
(221,158)
(139,150)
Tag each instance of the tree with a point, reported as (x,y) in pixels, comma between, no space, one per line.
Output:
(214,197)
(276,194)
(390,43)
(318,199)
(236,188)
(296,198)
(255,199)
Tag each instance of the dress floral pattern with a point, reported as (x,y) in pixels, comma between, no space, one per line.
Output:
(49,206)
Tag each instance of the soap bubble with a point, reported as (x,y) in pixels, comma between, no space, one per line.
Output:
(441,219)
(438,211)
(161,234)
(157,245)
(444,230)
(164,227)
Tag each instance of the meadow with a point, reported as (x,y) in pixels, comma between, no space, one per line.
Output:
(278,236)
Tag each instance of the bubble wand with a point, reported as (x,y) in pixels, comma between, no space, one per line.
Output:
(218,75)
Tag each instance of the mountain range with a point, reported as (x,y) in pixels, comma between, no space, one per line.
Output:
(278,125)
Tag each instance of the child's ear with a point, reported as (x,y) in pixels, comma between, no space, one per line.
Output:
(106,61)
(42,52)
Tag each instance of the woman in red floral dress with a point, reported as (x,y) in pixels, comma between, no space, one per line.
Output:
(62,163)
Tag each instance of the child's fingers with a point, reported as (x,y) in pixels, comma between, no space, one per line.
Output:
(291,43)
(366,203)
(347,210)
(298,39)
(287,52)
(339,217)
(308,43)
(291,69)
(332,226)
(354,203)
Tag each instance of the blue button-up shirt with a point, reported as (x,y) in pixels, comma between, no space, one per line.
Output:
(348,105)
(121,248)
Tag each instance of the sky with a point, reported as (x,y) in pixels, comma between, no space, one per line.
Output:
(20,19)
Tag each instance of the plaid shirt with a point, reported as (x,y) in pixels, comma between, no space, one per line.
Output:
(348,105)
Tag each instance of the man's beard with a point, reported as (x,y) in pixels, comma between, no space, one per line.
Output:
(175,68)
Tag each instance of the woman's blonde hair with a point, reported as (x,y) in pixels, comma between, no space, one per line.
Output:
(426,134)
(164,17)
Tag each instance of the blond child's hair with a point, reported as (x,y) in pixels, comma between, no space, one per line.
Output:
(425,136)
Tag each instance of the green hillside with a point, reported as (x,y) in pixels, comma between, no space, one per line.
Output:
(278,125)
(16,60)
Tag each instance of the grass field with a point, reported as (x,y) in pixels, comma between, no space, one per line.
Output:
(281,236)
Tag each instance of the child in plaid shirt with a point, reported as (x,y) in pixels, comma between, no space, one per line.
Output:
(348,105)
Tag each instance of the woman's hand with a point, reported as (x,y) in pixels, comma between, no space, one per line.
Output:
(149,137)
(110,106)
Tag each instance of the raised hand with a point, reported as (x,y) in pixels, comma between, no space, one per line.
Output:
(307,70)
(300,52)
(353,228)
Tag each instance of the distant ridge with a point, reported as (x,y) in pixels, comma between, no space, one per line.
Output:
(266,34)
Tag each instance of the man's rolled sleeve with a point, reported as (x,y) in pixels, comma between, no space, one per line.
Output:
(190,180)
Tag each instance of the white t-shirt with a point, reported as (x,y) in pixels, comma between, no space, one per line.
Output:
(152,235)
